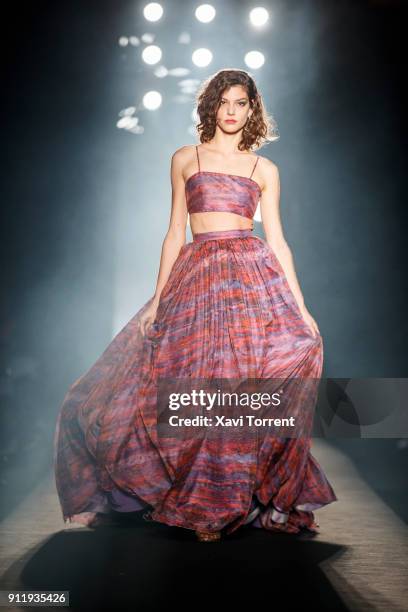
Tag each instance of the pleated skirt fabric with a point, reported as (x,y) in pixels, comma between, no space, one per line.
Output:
(226,312)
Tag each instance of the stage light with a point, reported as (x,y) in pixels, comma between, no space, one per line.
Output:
(202,57)
(189,86)
(184,38)
(123,41)
(152,100)
(254,59)
(153,11)
(258,16)
(205,13)
(179,72)
(151,54)
(127,123)
(160,72)
(147,38)
(127,112)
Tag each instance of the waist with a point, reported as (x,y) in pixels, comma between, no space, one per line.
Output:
(218,234)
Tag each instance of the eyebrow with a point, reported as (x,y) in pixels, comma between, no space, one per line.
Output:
(237,100)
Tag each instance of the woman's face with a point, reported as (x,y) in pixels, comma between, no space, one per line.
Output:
(234,109)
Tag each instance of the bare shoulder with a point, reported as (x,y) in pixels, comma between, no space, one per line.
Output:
(181,158)
(268,171)
(267,165)
(182,154)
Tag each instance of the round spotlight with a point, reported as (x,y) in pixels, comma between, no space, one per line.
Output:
(202,57)
(258,16)
(152,100)
(254,59)
(123,41)
(147,38)
(153,11)
(151,54)
(205,13)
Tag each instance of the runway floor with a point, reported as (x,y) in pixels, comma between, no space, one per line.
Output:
(359,561)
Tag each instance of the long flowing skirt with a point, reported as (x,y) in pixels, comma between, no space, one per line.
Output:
(226,312)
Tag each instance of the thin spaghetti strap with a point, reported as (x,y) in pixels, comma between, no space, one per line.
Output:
(198,159)
(254,167)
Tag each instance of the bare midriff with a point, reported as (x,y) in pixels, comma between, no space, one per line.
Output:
(213,221)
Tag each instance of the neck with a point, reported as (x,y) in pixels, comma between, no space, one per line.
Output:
(227,144)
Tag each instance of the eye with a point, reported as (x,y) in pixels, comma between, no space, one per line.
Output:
(240,103)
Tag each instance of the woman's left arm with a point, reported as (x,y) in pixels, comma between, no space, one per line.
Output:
(270,211)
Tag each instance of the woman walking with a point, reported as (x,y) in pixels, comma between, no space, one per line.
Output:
(226,306)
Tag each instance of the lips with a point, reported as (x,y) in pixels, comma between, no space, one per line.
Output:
(230,121)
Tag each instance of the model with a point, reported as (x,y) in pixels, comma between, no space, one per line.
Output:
(226,306)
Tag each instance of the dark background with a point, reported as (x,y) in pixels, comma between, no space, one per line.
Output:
(337,87)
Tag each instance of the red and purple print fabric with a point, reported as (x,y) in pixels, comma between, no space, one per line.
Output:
(226,311)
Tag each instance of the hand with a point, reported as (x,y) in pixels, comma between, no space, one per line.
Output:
(310,321)
(148,317)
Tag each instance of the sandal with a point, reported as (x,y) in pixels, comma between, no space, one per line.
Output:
(101,520)
(208,536)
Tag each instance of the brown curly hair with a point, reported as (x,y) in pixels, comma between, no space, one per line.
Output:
(259,128)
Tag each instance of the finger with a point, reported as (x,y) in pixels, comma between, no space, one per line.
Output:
(147,326)
(313,330)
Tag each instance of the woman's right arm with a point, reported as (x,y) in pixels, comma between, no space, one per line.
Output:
(175,237)
(176,234)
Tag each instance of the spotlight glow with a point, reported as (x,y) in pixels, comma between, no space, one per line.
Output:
(151,54)
(179,72)
(184,38)
(202,57)
(127,123)
(152,100)
(189,86)
(161,71)
(153,11)
(258,16)
(147,38)
(127,112)
(254,59)
(205,13)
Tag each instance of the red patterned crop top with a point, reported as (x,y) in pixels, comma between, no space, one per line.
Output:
(219,192)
